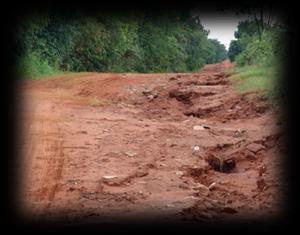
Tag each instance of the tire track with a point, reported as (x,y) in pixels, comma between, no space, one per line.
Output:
(49,160)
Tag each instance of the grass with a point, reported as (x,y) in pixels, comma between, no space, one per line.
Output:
(252,78)
(32,67)
(263,80)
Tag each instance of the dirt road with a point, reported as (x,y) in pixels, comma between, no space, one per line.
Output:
(186,147)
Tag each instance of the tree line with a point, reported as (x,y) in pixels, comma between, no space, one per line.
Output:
(259,39)
(146,42)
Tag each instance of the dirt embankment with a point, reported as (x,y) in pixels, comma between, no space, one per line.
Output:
(108,147)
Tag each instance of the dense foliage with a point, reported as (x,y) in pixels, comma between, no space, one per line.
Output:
(115,42)
(254,46)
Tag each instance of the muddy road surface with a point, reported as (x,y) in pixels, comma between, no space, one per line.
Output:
(140,147)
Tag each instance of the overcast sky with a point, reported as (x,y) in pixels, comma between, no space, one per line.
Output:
(221,25)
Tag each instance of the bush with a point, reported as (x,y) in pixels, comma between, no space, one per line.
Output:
(257,51)
(31,66)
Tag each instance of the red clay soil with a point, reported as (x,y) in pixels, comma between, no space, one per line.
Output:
(171,147)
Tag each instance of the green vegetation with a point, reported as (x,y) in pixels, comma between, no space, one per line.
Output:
(258,51)
(114,42)
(253,78)
(262,79)
(31,66)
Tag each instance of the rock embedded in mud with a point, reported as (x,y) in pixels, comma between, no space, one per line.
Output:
(110,179)
(220,164)
(253,147)
(228,165)
(250,155)
(201,189)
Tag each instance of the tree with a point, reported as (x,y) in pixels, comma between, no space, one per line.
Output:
(234,50)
